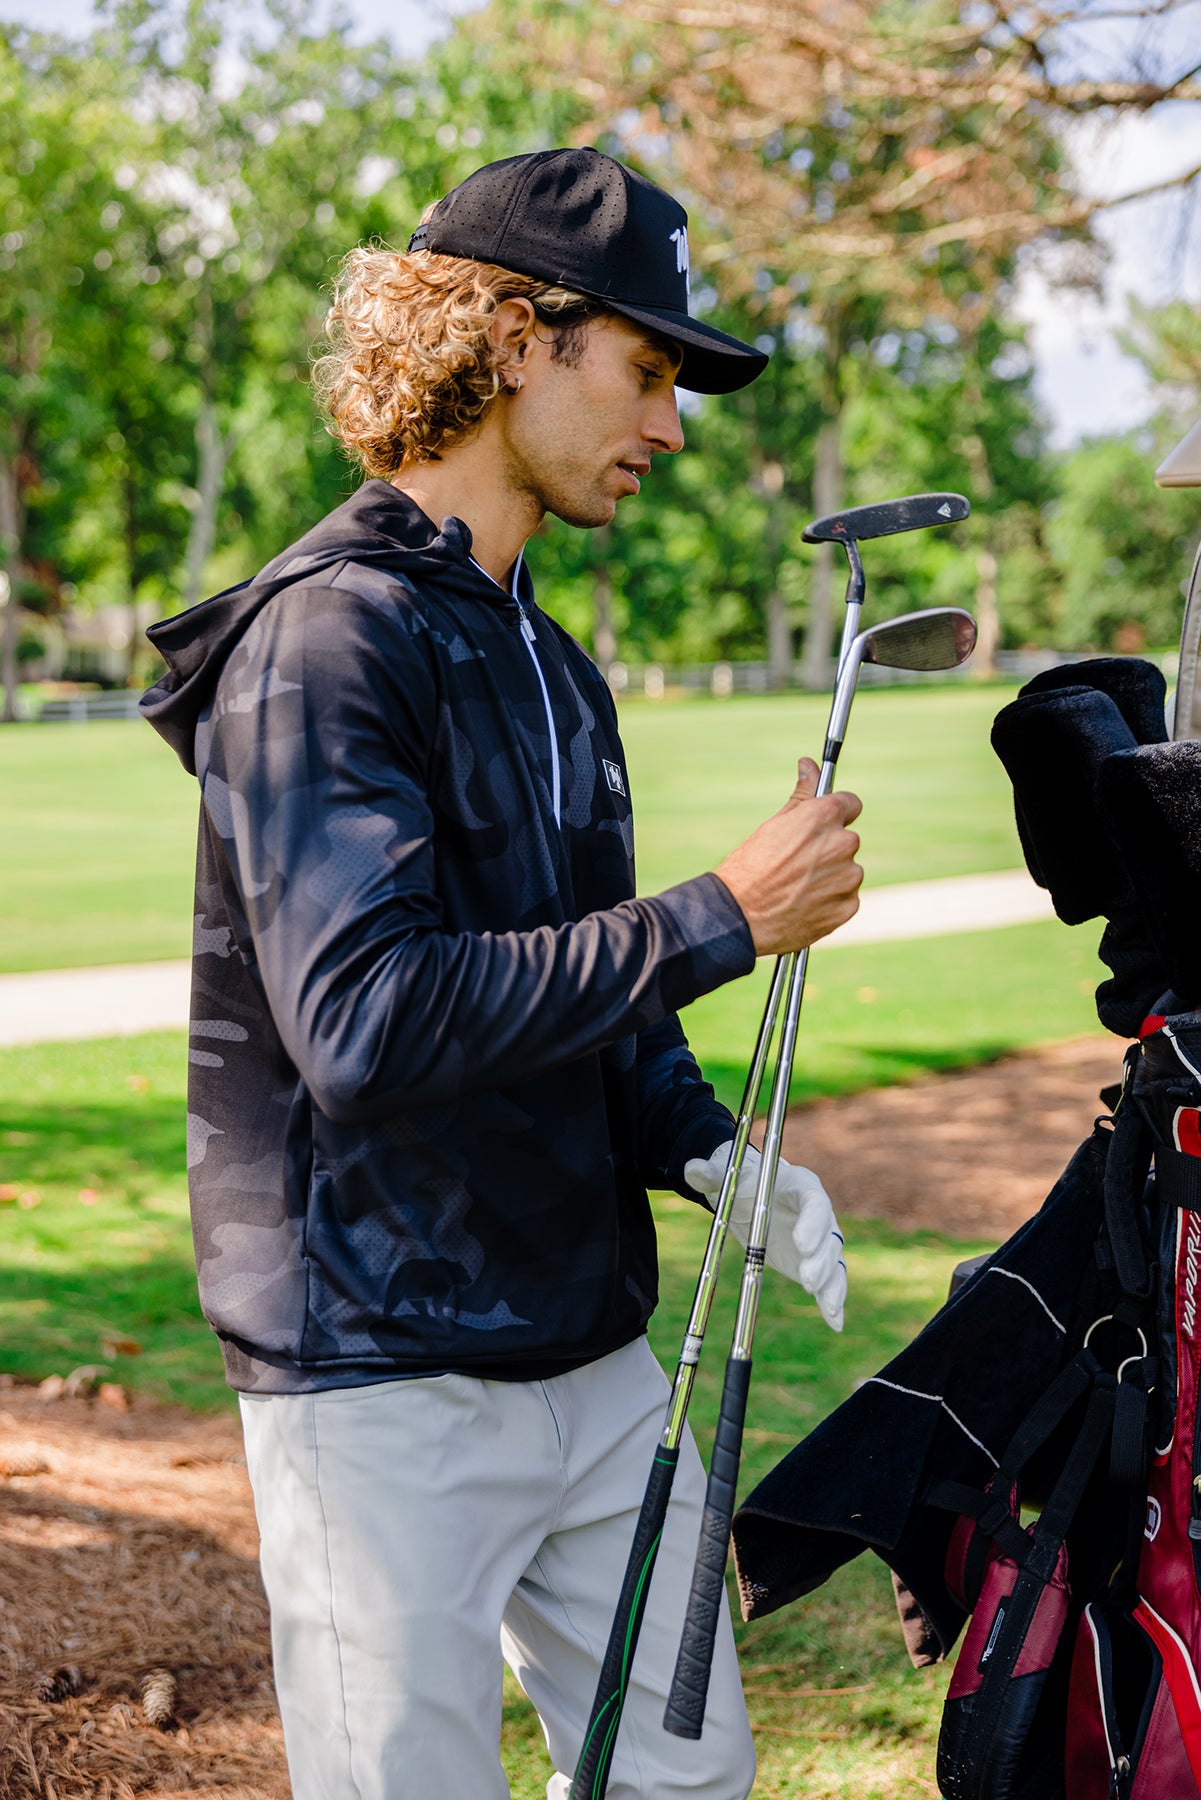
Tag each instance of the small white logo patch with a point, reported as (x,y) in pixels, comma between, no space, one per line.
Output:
(679,238)
(1154,1519)
(613,776)
(944,511)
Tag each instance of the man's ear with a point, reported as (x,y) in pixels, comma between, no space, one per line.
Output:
(512,331)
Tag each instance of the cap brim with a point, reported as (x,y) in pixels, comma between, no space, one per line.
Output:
(714,362)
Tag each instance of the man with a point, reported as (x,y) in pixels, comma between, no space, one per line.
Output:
(436,1060)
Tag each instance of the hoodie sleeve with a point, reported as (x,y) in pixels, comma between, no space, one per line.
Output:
(679,1115)
(315,768)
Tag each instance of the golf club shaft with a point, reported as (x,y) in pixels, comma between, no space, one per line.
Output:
(592,1771)
(685,1711)
(934,638)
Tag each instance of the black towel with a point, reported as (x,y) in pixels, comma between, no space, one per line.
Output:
(1150,800)
(1052,745)
(1137,689)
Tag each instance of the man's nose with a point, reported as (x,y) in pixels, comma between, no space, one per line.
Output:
(663,430)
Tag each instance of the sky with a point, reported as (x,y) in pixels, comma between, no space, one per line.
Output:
(1087,385)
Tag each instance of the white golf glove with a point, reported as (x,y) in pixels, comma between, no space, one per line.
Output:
(803,1239)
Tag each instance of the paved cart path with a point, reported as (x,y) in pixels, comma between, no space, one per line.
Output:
(56,1004)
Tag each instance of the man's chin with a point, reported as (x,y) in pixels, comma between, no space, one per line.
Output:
(585,515)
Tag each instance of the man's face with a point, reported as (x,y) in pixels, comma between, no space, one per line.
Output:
(580,435)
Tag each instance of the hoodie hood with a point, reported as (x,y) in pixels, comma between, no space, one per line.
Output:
(379,526)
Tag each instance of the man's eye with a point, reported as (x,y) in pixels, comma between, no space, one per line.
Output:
(649,376)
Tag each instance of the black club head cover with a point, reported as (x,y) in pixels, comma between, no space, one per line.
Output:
(1139,980)
(1150,799)
(1137,689)
(1052,745)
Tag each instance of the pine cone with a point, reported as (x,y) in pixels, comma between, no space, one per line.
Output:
(159,1694)
(53,1685)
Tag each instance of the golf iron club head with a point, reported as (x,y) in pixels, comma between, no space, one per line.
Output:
(884,518)
(938,637)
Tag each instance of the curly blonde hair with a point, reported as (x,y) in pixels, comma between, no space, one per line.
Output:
(413,367)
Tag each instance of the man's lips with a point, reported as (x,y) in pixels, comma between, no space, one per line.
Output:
(634,473)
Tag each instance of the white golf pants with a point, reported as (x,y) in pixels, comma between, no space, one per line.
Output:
(413,1532)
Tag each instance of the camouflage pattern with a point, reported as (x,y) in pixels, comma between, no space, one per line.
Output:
(435,1060)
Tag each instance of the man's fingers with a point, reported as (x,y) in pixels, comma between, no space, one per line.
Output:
(851,806)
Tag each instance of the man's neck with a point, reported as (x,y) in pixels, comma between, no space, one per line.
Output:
(465,482)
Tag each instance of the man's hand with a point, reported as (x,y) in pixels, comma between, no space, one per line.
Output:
(796,878)
(803,1239)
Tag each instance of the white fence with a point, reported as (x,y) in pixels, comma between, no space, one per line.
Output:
(721,679)
(652,681)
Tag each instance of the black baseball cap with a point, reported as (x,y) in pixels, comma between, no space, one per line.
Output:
(583,221)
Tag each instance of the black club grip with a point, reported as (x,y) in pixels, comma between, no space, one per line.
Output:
(592,1770)
(685,1714)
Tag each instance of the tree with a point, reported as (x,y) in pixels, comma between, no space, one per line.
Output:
(840,190)
(262,166)
(1121,546)
(61,125)
(1167,341)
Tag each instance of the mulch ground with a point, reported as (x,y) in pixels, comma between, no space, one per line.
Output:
(127,1538)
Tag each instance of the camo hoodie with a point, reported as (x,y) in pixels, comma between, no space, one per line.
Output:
(435,1061)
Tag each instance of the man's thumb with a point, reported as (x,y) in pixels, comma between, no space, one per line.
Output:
(806,779)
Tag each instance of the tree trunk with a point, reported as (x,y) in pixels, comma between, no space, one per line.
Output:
(779,641)
(988,618)
(212,456)
(827,498)
(768,481)
(129,497)
(10,558)
(604,636)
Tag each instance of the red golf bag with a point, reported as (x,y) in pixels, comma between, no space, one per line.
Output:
(1031,1464)
(1078,1670)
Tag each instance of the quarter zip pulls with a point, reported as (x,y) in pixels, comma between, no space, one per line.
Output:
(530,638)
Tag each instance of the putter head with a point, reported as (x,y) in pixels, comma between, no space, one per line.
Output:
(886,517)
(939,637)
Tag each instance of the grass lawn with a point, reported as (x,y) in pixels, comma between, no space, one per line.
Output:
(98,824)
(99,821)
(95,1248)
(936,801)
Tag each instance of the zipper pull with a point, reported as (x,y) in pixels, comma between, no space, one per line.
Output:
(527,624)
(1194,1524)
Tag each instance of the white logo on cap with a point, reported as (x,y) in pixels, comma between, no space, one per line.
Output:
(679,238)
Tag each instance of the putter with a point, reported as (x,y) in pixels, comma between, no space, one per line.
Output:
(592,1771)
(936,638)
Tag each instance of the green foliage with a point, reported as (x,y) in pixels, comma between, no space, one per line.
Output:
(178,186)
(1121,546)
(1167,341)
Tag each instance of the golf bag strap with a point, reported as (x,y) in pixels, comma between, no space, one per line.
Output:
(1127,1166)
(1178,1178)
(1051,1526)
(1128,1450)
(992,1512)
(1045,1416)
(993,1508)
(1046,1537)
